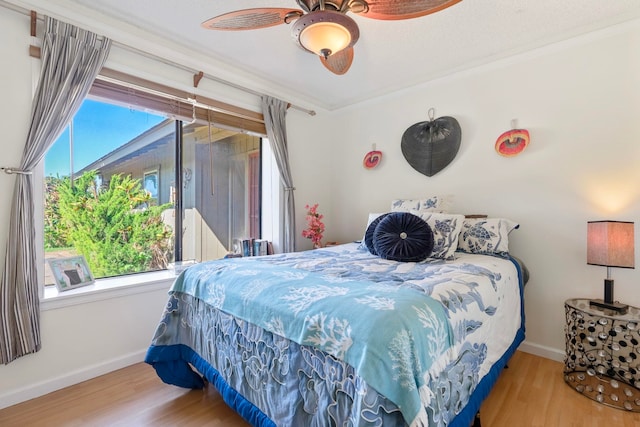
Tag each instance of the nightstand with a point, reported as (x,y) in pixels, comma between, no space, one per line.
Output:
(602,358)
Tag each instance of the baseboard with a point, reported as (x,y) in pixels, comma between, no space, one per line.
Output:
(542,351)
(40,389)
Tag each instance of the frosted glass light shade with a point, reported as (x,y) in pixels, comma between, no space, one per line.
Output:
(325,37)
(325,32)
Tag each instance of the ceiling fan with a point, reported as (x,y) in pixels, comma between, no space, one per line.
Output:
(322,27)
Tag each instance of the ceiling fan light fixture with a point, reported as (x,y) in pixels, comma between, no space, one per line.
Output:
(324,38)
(325,32)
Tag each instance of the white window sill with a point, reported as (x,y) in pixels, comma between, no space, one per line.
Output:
(102,289)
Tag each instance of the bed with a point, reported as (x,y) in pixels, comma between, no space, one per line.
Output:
(342,336)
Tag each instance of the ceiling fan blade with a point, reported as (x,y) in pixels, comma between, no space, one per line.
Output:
(250,19)
(393,10)
(340,62)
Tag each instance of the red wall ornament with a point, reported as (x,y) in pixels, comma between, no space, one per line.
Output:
(512,142)
(372,158)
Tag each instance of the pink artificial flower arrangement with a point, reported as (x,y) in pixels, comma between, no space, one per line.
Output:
(315,225)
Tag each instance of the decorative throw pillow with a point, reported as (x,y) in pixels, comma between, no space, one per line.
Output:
(368,235)
(402,236)
(486,236)
(372,216)
(446,229)
(430,204)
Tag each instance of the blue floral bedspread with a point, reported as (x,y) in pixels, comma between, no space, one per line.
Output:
(391,335)
(325,315)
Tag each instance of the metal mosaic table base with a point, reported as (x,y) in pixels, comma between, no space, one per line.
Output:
(602,358)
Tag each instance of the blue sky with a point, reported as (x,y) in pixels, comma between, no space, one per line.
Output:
(98,129)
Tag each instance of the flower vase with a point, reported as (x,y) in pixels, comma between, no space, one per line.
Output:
(317,245)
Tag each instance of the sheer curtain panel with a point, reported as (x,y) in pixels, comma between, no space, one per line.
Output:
(274,112)
(71,60)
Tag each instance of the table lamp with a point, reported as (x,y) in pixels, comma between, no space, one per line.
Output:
(611,244)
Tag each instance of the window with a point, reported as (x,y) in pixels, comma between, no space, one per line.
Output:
(112,186)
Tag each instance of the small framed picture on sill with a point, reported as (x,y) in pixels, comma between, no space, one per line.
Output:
(71,272)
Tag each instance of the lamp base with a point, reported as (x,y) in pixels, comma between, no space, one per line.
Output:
(613,306)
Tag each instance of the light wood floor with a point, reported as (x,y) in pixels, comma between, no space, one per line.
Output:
(531,392)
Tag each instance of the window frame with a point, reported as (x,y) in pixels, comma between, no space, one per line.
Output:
(132,91)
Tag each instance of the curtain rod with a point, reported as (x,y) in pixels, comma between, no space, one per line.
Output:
(197,75)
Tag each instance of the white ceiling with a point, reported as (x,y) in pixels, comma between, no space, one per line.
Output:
(390,55)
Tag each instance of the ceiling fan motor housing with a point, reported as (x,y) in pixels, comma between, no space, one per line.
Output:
(355,6)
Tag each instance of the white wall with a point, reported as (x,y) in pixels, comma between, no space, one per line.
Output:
(83,341)
(580,100)
(14,106)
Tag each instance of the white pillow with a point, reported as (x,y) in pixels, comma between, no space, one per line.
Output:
(430,204)
(372,216)
(446,229)
(486,236)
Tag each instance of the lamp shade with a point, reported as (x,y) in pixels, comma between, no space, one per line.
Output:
(610,243)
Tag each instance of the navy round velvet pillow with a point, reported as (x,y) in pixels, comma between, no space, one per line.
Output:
(368,235)
(402,236)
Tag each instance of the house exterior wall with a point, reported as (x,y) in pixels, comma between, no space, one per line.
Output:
(158,160)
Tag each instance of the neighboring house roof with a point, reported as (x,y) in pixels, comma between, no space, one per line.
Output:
(157,136)
(160,134)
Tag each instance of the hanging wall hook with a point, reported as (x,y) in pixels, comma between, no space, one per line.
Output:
(197,78)
(34,21)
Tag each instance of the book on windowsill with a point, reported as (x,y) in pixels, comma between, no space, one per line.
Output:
(254,247)
(247,247)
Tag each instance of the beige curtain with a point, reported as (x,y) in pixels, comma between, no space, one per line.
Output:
(71,59)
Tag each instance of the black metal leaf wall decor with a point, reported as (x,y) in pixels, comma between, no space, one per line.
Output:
(430,146)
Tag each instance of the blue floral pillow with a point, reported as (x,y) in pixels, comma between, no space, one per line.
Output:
(404,237)
(446,229)
(489,236)
(430,204)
